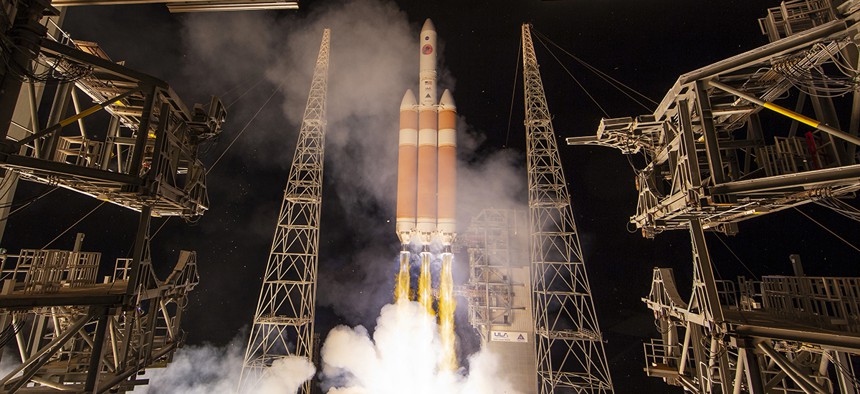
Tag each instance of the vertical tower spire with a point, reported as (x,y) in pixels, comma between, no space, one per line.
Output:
(568,342)
(284,321)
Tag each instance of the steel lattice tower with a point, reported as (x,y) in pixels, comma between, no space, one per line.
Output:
(568,345)
(284,321)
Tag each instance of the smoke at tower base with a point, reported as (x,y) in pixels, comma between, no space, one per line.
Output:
(402,357)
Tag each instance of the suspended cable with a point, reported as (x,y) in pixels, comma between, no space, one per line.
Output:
(245,92)
(237,86)
(736,256)
(32,200)
(840,207)
(574,79)
(604,76)
(211,167)
(74,224)
(513,92)
(159,228)
(828,230)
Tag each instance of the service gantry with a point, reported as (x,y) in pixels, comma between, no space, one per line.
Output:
(499,291)
(76,332)
(722,148)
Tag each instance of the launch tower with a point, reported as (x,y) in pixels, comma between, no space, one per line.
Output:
(568,341)
(284,320)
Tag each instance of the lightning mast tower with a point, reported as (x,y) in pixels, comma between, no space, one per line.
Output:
(284,321)
(568,343)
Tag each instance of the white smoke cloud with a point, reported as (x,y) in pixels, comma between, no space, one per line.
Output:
(211,369)
(402,357)
(10,360)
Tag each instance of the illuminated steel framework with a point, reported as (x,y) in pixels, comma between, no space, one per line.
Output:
(721,150)
(569,344)
(76,331)
(284,321)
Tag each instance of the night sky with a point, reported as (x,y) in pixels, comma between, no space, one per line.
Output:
(646,44)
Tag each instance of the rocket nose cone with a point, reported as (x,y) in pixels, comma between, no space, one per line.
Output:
(428,26)
(409,101)
(447,101)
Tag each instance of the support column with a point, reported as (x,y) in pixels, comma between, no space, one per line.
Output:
(91,385)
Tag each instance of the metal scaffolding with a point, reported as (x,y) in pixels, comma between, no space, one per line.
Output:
(88,335)
(720,150)
(709,152)
(492,246)
(284,320)
(569,344)
(499,291)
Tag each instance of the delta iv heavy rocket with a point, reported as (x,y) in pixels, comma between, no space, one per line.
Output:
(427,160)
(427,190)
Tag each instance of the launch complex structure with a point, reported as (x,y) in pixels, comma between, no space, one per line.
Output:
(767,130)
(81,324)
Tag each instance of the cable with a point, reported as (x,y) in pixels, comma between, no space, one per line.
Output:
(30,202)
(245,92)
(574,79)
(604,76)
(211,167)
(159,228)
(74,224)
(736,256)
(828,230)
(839,207)
(513,92)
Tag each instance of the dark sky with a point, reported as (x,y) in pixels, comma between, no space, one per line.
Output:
(645,44)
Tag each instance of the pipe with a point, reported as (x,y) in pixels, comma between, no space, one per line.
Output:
(788,113)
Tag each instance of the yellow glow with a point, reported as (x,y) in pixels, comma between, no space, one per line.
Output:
(447,306)
(401,289)
(425,284)
(794,115)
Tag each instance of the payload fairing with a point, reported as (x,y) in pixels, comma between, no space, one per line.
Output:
(427,161)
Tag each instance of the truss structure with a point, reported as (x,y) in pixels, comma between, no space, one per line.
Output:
(76,333)
(569,344)
(499,291)
(720,150)
(146,156)
(91,335)
(284,320)
(786,334)
(709,152)
(493,251)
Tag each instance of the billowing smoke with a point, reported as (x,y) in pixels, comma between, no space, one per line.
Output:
(215,370)
(401,356)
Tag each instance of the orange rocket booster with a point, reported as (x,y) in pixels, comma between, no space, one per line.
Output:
(407,167)
(427,172)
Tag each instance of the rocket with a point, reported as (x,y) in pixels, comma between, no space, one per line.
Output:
(427,157)
(427,190)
